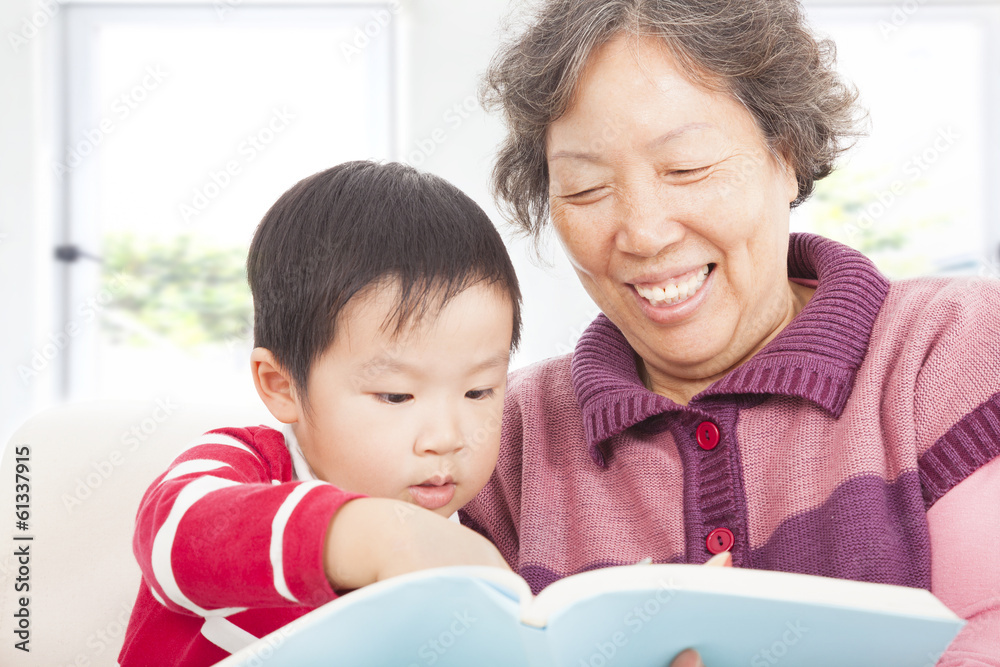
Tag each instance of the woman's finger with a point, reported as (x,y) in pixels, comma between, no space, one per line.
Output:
(687,658)
(724,559)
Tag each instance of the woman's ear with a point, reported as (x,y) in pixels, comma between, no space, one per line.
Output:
(791,179)
(274,386)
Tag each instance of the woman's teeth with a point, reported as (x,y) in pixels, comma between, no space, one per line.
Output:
(673,293)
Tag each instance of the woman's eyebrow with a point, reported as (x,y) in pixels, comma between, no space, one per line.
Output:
(574,155)
(665,138)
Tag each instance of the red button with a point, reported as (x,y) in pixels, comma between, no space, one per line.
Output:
(707,435)
(719,540)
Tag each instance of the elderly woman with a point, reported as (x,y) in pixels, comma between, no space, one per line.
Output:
(743,390)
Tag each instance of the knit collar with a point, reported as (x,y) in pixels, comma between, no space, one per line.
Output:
(815,357)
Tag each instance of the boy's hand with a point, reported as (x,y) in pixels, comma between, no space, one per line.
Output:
(370,539)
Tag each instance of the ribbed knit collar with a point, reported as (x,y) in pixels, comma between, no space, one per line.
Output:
(815,357)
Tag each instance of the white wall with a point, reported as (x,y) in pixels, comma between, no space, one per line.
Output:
(437,79)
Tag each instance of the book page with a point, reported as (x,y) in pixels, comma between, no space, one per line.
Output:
(642,616)
(763,584)
(447,617)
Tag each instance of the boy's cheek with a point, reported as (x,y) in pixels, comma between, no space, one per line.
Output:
(486,438)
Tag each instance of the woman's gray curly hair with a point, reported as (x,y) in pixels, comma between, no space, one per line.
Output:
(759,51)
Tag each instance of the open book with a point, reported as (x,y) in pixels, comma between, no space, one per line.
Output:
(635,616)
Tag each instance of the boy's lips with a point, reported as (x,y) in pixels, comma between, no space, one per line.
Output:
(434,493)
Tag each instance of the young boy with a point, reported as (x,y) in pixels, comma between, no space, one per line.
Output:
(385,311)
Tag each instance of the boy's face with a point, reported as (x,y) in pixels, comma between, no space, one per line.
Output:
(414,416)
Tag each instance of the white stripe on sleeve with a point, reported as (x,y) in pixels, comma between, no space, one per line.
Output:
(278,534)
(157,596)
(221,439)
(226,635)
(163,544)
(194,465)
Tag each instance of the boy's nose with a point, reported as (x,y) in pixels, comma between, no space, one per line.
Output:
(441,435)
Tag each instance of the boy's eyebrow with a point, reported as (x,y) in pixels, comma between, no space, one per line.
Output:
(501,359)
(387,364)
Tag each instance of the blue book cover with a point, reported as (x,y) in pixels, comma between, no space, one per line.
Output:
(638,615)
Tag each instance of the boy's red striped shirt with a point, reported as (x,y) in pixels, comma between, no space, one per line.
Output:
(231,548)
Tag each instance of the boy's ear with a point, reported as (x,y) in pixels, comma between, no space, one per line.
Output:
(274,386)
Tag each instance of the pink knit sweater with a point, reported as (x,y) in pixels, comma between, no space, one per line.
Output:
(861,443)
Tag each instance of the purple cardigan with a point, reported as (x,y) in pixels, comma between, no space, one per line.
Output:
(850,446)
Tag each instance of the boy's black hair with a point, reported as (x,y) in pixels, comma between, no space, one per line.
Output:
(342,231)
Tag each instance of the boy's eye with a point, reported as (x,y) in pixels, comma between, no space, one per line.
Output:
(394,399)
(479,394)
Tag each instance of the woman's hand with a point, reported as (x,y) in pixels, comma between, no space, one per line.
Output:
(690,657)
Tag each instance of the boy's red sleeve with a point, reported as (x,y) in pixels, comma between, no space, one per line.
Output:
(225,528)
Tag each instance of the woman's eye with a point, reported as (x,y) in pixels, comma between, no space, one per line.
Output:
(479,394)
(394,399)
(584,195)
(688,172)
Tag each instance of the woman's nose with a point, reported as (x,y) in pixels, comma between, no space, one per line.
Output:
(646,222)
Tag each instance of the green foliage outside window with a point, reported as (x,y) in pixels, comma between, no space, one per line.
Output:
(180,290)
(844,208)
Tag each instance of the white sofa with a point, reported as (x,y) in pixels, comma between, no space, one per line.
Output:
(89,464)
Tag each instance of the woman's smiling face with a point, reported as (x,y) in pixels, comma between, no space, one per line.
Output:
(673,211)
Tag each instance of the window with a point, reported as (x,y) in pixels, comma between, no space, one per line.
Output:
(914,195)
(183,125)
